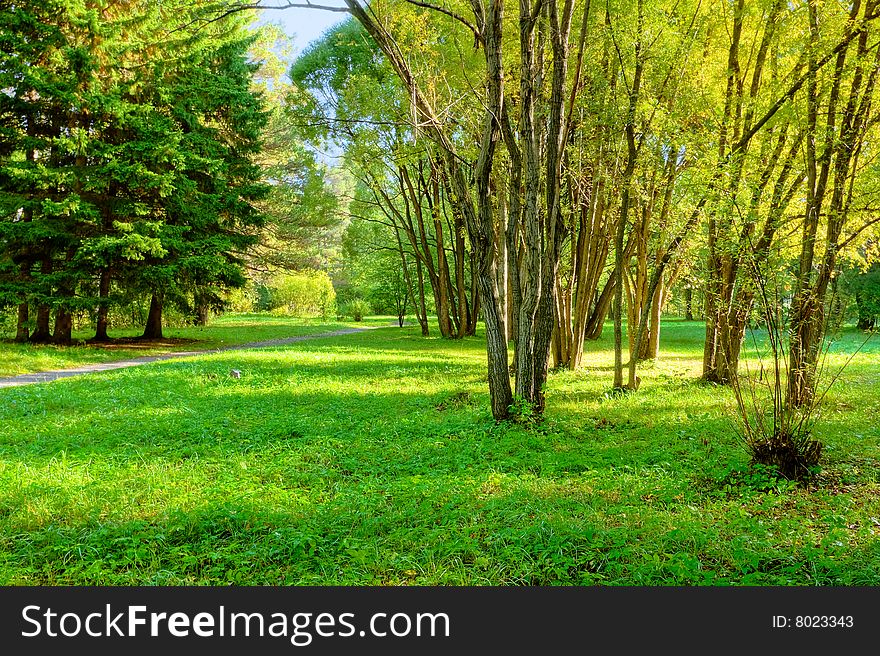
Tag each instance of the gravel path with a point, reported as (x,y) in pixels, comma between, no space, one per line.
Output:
(48,376)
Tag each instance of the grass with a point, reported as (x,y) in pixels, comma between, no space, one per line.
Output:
(373,459)
(222,331)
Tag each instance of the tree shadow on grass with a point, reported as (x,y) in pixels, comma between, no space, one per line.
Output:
(439,533)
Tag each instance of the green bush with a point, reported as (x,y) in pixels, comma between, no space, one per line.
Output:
(355,309)
(242,299)
(302,294)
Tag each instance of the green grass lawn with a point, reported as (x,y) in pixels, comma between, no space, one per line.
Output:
(222,331)
(373,459)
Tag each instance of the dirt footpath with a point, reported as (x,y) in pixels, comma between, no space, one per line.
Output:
(48,376)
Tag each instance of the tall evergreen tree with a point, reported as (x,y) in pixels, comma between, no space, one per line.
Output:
(209,216)
(127,152)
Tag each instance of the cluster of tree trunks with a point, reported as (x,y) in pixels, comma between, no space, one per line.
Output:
(829,141)
(540,254)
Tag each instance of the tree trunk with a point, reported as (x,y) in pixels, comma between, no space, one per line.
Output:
(42,333)
(563,337)
(103,307)
(619,264)
(625,201)
(729,297)
(721,351)
(203,314)
(424,191)
(480,224)
(460,284)
(688,303)
(22,329)
(202,306)
(479,220)
(201,301)
(63,327)
(601,308)
(63,317)
(657,283)
(422,310)
(408,284)
(503,265)
(842,150)
(717,288)
(806,306)
(512,250)
(536,332)
(22,332)
(496,348)
(474,314)
(443,284)
(653,350)
(637,283)
(593,245)
(153,328)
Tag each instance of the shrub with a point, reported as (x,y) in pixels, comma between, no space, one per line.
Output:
(777,432)
(356,309)
(302,294)
(242,299)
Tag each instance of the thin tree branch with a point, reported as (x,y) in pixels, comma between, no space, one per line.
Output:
(478,37)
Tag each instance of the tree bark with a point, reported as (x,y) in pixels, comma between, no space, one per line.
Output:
(153,328)
(103,307)
(203,314)
(42,333)
(201,301)
(22,331)
(63,333)
(601,308)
